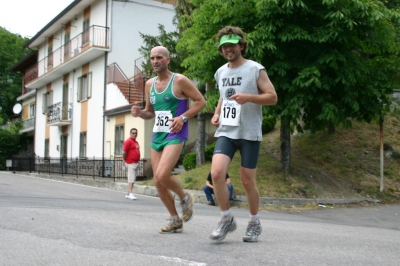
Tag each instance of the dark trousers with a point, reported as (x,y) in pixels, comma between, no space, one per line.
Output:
(209,192)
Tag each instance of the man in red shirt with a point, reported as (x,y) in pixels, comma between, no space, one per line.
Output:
(131,156)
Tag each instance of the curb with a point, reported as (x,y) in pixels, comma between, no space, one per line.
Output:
(199,196)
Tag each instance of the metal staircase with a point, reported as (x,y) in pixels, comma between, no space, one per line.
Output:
(132,88)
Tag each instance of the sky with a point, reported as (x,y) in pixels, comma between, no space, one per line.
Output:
(27,17)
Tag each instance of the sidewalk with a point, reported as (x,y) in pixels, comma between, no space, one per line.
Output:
(199,196)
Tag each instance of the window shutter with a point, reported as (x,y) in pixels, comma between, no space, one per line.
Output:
(89,85)
(79,89)
(116,135)
(50,98)
(44,105)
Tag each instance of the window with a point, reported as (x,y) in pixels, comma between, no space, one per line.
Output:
(85,87)
(119,139)
(82,145)
(32,109)
(47,101)
(46,148)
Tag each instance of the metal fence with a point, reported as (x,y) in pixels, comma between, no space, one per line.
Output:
(101,168)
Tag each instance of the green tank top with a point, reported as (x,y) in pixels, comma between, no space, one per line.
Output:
(166,106)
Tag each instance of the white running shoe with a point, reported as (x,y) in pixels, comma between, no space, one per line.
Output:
(226,225)
(252,232)
(130,196)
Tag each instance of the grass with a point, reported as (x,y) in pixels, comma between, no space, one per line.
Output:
(353,156)
(340,165)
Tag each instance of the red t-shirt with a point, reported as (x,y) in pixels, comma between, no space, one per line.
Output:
(132,149)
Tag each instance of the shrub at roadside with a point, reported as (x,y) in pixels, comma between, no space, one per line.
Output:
(189,161)
(209,151)
(268,124)
(10,144)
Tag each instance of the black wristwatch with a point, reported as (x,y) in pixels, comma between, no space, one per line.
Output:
(184,118)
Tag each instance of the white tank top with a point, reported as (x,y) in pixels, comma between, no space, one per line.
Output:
(242,79)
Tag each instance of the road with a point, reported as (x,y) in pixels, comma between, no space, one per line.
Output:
(47,222)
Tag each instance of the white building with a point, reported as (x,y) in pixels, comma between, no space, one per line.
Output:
(84,75)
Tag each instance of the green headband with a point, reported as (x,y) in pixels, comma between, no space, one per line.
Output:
(231,38)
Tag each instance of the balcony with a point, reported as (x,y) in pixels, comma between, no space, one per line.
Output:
(26,93)
(85,47)
(28,126)
(59,114)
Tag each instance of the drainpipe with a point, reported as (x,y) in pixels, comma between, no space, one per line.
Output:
(34,122)
(105,92)
(73,110)
(104,101)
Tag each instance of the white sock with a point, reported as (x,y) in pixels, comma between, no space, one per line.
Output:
(254,218)
(225,213)
(175,217)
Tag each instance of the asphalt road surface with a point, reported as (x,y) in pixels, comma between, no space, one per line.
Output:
(46,222)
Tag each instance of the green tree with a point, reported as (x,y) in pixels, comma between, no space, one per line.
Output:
(166,39)
(11,50)
(330,61)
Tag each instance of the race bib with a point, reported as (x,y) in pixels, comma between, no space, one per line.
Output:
(161,122)
(230,113)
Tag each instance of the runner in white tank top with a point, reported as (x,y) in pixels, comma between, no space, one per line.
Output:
(244,87)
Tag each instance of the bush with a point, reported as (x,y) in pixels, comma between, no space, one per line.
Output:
(268,123)
(209,151)
(10,144)
(189,161)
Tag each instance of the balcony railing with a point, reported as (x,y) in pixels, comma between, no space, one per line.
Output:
(6,126)
(27,124)
(26,90)
(59,112)
(95,36)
